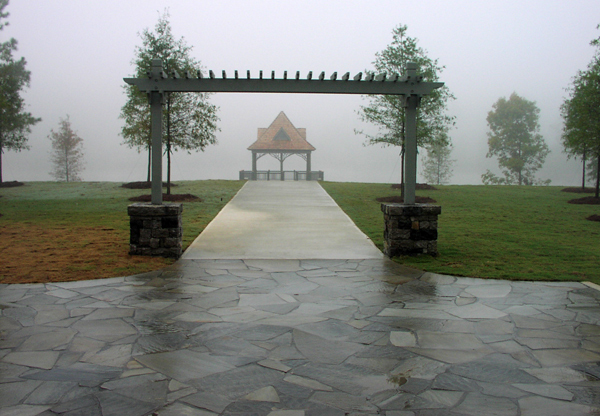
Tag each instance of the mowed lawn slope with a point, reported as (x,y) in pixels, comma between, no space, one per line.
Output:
(507,232)
(71,231)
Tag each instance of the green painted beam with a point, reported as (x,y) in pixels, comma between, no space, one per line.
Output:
(371,84)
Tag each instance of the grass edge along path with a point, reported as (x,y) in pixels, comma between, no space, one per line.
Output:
(500,232)
(52,232)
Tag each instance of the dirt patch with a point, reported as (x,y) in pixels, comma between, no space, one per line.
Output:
(397,199)
(36,254)
(593,218)
(588,200)
(418,187)
(142,185)
(168,198)
(11,184)
(579,190)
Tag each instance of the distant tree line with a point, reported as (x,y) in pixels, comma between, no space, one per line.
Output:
(581,114)
(191,120)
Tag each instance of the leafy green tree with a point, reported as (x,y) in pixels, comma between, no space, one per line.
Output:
(515,140)
(437,165)
(387,111)
(190,120)
(67,152)
(15,122)
(581,114)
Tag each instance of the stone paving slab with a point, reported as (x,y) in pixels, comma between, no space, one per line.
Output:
(298,338)
(282,220)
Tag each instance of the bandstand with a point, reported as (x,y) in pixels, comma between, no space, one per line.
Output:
(281,140)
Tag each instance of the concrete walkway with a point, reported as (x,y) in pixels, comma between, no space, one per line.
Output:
(298,337)
(282,220)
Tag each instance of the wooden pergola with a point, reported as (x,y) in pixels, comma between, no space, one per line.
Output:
(410,86)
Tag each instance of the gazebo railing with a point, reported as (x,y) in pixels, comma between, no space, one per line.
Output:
(277,175)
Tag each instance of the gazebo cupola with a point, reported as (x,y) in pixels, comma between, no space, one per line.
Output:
(281,140)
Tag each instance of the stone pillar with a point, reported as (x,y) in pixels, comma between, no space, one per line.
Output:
(410,229)
(155,230)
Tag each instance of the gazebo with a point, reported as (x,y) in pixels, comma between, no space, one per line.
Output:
(281,140)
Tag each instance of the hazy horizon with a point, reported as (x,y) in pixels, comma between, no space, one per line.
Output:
(79,52)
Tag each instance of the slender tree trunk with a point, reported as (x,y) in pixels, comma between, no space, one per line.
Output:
(1,153)
(149,162)
(402,173)
(583,177)
(66,166)
(439,173)
(598,178)
(169,166)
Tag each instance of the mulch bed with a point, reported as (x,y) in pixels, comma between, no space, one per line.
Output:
(418,187)
(579,190)
(11,184)
(397,199)
(593,217)
(588,200)
(168,198)
(142,185)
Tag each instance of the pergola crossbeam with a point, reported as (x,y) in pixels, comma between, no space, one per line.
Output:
(372,85)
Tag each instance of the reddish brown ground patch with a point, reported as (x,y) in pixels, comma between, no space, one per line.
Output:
(33,254)
(168,198)
(418,187)
(579,190)
(142,185)
(397,199)
(11,184)
(593,217)
(588,200)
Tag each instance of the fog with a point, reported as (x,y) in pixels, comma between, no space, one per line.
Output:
(79,52)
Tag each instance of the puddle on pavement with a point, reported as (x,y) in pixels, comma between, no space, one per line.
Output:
(417,287)
(397,380)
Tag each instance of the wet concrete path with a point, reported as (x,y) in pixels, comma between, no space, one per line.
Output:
(282,220)
(293,337)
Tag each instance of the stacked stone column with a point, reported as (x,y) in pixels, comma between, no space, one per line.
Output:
(155,230)
(410,229)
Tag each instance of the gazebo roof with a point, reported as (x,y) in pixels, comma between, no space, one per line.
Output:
(281,135)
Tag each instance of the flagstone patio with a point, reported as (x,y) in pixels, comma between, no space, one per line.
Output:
(294,337)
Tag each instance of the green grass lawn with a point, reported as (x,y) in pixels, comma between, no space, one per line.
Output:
(71,231)
(105,204)
(510,232)
(506,232)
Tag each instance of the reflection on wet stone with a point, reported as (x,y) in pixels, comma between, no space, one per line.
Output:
(290,338)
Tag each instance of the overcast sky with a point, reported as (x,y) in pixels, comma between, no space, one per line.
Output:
(78,53)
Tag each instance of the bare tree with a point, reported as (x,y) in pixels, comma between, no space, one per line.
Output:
(67,152)
(437,165)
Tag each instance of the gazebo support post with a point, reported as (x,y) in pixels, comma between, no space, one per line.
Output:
(254,174)
(281,165)
(308,167)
